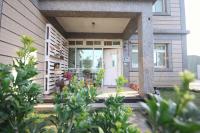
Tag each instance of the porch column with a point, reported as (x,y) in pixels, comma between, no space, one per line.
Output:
(145,52)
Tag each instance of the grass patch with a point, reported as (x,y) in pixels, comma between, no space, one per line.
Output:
(170,94)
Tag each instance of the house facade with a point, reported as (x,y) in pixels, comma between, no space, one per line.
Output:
(144,40)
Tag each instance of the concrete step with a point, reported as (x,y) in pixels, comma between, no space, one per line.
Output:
(46,107)
(135,99)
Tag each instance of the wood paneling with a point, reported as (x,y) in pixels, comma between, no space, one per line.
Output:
(171,21)
(167,78)
(21,17)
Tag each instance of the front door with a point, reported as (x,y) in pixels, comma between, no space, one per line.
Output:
(111,66)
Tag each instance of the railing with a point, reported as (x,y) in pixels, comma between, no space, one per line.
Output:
(88,75)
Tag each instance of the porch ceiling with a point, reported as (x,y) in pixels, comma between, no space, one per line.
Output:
(93,25)
(113,18)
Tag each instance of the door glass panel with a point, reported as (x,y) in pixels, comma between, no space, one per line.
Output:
(114,60)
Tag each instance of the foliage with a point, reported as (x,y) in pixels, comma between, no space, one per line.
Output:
(99,78)
(18,93)
(87,64)
(114,117)
(120,81)
(167,116)
(72,111)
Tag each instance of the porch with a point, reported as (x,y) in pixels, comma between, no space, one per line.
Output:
(104,92)
(94,26)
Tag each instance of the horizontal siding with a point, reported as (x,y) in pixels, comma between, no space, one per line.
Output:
(171,78)
(172,21)
(21,17)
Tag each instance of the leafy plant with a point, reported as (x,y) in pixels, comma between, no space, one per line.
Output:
(72,110)
(18,93)
(120,81)
(99,78)
(167,116)
(114,117)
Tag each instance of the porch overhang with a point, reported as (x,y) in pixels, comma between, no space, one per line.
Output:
(96,9)
(139,12)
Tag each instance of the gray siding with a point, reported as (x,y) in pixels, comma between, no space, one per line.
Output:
(167,78)
(21,17)
(170,21)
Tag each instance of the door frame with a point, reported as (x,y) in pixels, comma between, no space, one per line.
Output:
(119,62)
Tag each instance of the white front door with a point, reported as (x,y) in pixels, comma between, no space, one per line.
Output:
(111,66)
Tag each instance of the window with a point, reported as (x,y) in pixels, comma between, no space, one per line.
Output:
(107,43)
(134,56)
(159,6)
(160,56)
(71,59)
(85,58)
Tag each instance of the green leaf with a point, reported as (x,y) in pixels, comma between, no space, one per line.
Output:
(100,130)
(5,82)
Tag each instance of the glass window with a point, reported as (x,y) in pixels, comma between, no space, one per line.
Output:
(79,42)
(97,42)
(98,58)
(159,6)
(89,43)
(107,43)
(72,42)
(134,56)
(160,56)
(71,60)
(116,42)
(84,58)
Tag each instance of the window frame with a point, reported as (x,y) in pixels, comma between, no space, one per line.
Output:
(161,51)
(169,67)
(166,9)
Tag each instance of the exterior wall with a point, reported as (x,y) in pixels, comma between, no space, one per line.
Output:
(171,20)
(169,28)
(21,17)
(169,77)
(18,17)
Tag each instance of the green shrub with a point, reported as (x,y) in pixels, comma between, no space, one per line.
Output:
(18,93)
(99,78)
(120,81)
(114,117)
(167,116)
(71,107)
